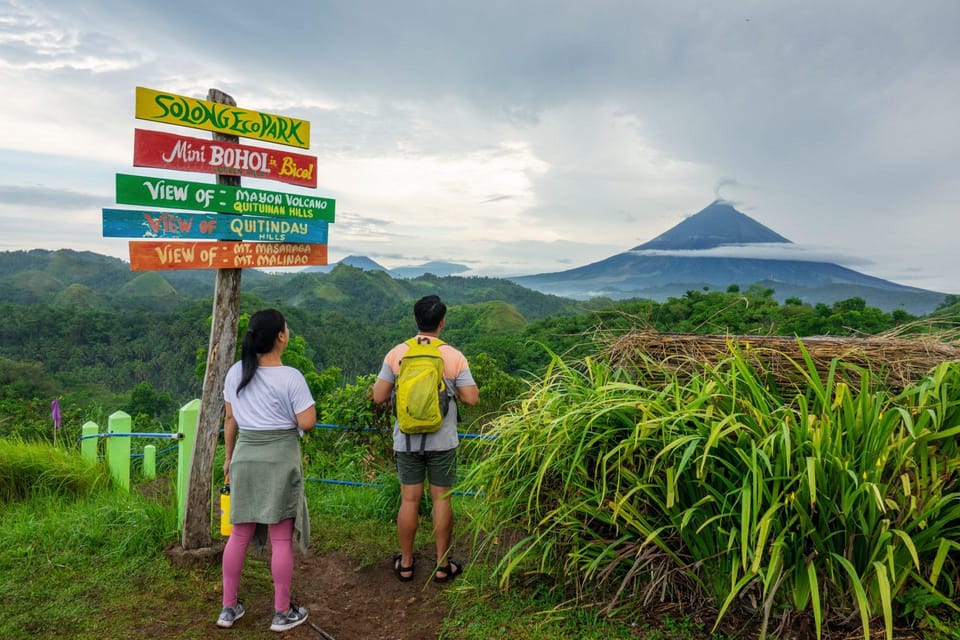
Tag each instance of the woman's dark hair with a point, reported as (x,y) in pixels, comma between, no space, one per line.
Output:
(428,311)
(260,338)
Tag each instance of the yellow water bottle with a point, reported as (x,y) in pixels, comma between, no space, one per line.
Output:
(225,526)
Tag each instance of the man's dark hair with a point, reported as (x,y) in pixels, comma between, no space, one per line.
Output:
(428,311)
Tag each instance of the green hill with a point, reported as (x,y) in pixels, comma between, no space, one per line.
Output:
(95,325)
(34,286)
(78,296)
(40,276)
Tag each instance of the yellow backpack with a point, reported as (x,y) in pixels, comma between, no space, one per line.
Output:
(421,399)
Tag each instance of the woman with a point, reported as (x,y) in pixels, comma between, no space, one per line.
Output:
(268,405)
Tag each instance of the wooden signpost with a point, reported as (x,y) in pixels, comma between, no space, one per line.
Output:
(160,106)
(200,196)
(160,150)
(156,255)
(169,225)
(230,228)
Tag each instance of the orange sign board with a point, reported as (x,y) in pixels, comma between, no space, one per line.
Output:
(161,255)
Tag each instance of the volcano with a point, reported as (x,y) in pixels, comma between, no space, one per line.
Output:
(720,224)
(686,257)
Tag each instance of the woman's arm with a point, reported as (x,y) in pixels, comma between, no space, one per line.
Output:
(229,438)
(307,419)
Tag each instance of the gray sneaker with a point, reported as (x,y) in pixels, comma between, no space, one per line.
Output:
(229,615)
(289,619)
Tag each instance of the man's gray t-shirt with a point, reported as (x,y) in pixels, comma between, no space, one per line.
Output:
(456,373)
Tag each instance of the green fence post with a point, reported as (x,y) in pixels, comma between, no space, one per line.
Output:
(118,448)
(88,446)
(149,462)
(189,417)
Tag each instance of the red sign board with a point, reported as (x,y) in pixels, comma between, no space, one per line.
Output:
(161,150)
(157,255)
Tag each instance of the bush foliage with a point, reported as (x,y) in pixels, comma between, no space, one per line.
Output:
(833,504)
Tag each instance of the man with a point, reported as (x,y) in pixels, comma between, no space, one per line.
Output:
(430,455)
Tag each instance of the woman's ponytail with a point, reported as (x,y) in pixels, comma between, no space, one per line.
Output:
(260,338)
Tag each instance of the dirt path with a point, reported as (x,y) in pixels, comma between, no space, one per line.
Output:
(346,602)
(367,603)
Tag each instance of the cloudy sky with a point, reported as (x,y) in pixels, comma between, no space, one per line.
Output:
(517,136)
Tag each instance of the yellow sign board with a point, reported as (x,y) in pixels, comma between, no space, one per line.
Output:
(160,106)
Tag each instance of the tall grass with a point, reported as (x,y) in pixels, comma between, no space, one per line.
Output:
(32,468)
(70,543)
(834,503)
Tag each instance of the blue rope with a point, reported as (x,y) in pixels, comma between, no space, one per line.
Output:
(348,483)
(465,436)
(159,453)
(322,425)
(175,436)
(351,483)
(478,436)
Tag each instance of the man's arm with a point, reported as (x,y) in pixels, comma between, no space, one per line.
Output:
(469,394)
(382,391)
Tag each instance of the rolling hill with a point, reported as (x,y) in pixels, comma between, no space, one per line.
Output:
(84,279)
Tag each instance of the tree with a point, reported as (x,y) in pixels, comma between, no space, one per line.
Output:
(25,380)
(949,300)
(144,399)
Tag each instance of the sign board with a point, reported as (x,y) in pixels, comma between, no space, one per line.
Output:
(221,198)
(153,255)
(161,150)
(160,106)
(131,223)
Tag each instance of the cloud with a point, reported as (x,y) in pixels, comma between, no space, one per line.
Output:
(48,197)
(494,132)
(32,40)
(767,251)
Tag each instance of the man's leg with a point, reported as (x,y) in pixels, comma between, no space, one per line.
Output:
(408,517)
(442,469)
(442,521)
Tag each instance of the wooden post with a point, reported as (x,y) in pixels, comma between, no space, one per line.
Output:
(220,355)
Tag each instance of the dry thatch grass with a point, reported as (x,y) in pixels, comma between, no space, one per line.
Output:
(895,360)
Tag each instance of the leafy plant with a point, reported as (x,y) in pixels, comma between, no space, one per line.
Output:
(831,503)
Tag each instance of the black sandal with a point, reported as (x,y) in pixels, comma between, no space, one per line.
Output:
(450,571)
(399,569)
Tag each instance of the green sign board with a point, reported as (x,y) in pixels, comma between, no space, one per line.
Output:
(201,196)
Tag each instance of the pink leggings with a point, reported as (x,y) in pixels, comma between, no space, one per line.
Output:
(281,561)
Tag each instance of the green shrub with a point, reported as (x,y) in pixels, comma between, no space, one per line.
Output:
(837,503)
